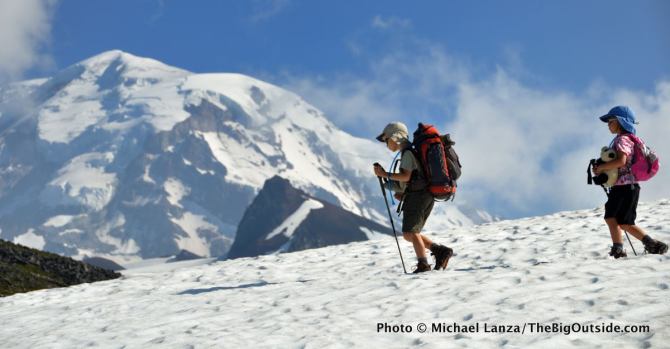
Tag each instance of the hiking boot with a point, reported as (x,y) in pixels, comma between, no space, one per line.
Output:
(421,267)
(442,255)
(655,247)
(617,252)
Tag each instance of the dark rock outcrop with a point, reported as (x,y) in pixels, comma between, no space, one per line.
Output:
(184,255)
(103,263)
(323,226)
(24,269)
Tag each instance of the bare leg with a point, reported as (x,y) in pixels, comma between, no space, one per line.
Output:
(417,242)
(427,243)
(615,232)
(634,230)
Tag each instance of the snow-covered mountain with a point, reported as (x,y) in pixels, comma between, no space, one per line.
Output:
(509,275)
(284,219)
(123,157)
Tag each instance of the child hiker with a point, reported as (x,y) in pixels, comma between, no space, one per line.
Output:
(621,205)
(409,185)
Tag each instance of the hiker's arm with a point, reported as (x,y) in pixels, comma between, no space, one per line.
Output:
(620,161)
(403,176)
(393,185)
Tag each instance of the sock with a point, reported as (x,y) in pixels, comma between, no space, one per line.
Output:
(619,245)
(647,239)
(423,260)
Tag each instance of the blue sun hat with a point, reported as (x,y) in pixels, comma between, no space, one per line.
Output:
(624,115)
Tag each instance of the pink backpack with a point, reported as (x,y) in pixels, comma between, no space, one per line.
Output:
(645,161)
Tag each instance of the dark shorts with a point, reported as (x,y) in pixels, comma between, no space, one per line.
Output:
(622,203)
(416,208)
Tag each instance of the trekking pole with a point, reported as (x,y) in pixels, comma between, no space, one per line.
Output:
(381,184)
(631,244)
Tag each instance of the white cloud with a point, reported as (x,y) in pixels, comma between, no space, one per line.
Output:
(25,27)
(265,9)
(525,150)
(159,12)
(357,103)
(391,22)
(401,85)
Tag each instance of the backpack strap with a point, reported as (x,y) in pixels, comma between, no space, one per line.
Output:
(417,180)
(635,139)
(392,168)
(637,144)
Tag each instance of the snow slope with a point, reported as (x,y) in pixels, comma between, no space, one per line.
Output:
(551,269)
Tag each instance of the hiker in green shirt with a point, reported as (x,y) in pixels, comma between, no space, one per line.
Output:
(410,186)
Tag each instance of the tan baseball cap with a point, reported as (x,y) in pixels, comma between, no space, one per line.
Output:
(395,131)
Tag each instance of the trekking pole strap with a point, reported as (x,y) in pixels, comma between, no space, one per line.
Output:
(400,204)
(606,192)
(389,183)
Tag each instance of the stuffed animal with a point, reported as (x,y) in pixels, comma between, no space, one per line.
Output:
(609,177)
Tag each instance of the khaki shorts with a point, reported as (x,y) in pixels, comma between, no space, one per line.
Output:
(416,208)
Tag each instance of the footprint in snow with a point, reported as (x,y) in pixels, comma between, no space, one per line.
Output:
(393,284)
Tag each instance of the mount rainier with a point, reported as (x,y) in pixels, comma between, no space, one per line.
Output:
(126,157)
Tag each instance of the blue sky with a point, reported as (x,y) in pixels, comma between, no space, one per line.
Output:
(564,43)
(492,72)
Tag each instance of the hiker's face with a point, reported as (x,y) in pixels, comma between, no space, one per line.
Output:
(613,125)
(391,145)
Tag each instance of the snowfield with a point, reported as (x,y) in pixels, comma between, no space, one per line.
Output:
(547,270)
